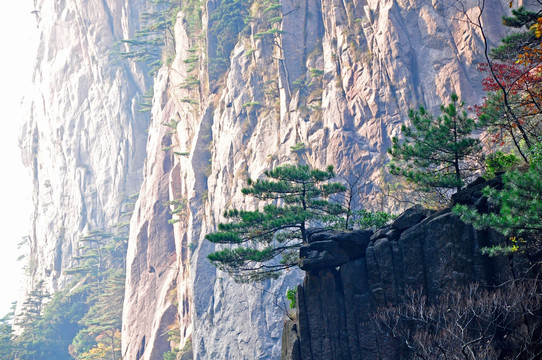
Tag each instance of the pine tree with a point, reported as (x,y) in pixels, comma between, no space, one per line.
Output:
(102,322)
(513,106)
(101,273)
(513,109)
(83,320)
(258,238)
(28,344)
(155,34)
(6,335)
(438,154)
(518,204)
(521,17)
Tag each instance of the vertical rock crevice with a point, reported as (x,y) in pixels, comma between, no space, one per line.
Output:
(340,82)
(376,62)
(340,297)
(82,140)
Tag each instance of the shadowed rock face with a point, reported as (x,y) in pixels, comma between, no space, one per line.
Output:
(421,249)
(329,248)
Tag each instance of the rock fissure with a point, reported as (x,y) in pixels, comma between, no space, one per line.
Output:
(343,323)
(85,137)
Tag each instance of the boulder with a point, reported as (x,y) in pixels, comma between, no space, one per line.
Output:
(472,194)
(322,255)
(353,242)
(381,233)
(410,217)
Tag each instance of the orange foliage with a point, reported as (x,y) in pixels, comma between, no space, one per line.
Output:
(518,114)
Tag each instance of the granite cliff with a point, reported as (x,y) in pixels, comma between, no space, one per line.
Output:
(325,82)
(83,140)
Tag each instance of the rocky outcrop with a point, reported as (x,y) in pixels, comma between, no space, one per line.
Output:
(338,77)
(329,248)
(433,252)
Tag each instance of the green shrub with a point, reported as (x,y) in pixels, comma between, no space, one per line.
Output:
(316,72)
(519,204)
(171,355)
(251,104)
(147,45)
(299,147)
(189,101)
(499,162)
(359,219)
(226,21)
(291,294)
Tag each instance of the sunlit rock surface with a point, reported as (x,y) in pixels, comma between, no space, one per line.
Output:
(339,78)
(83,141)
(376,59)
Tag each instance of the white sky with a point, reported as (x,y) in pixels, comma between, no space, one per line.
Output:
(17,33)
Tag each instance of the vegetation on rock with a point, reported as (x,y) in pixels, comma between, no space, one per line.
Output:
(518,206)
(155,36)
(512,110)
(299,195)
(512,114)
(82,321)
(438,153)
(226,21)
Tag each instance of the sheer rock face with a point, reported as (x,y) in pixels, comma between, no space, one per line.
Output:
(83,140)
(373,59)
(335,305)
(339,78)
(151,253)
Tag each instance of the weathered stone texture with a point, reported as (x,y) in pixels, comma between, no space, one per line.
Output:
(435,252)
(83,141)
(152,263)
(85,144)
(378,58)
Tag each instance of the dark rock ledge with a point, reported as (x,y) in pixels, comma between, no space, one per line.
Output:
(349,274)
